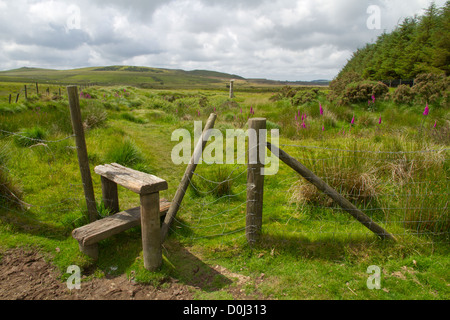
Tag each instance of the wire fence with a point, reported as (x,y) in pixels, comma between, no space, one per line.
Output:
(406,192)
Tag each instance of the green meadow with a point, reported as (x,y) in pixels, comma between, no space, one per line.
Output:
(388,158)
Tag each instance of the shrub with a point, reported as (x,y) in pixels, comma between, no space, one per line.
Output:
(285,92)
(403,94)
(338,85)
(363,91)
(432,88)
(94,115)
(305,96)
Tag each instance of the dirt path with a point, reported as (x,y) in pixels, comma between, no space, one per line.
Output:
(25,275)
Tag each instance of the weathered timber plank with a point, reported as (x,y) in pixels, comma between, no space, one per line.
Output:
(333,194)
(117,223)
(138,182)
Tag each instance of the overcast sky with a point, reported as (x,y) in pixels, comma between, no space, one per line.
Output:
(273,39)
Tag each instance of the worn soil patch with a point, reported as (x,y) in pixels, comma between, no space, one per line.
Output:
(25,275)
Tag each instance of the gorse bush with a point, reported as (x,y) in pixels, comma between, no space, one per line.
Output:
(403,94)
(432,88)
(305,96)
(364,91)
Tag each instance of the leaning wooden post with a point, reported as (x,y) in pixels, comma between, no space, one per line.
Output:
(185,181)
(83,161)
(37,88)
(26,93)
(333,194)
(17,98)
(255,179)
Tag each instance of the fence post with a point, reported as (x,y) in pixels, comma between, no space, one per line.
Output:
(255,180)
(83,161)
(26,93)
(151,232)
(17,98)
(10,98)
(37,88)
(231,89)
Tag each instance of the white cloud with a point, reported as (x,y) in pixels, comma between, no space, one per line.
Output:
(275,39)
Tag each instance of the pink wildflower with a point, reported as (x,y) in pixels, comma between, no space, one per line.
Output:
(321,109)
(426,111)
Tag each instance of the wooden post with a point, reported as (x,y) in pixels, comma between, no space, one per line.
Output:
(10,98)
(83,161)
(231,89)
(26,94)
(184,184)
(17,98)
(37,88)
(333,194)
(255,180)
(151,231)
(110,195)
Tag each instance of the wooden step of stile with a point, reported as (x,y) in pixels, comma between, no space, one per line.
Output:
(102,229)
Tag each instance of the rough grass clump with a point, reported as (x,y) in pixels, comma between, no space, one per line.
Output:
(10,193)
(217,182)
(125,153)
(356,187)
(30,136)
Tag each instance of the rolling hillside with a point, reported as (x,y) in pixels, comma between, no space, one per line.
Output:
(143,77)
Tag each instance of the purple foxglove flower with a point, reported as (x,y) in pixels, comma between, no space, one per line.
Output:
(435,124)
(353,120)
(379,121)
(323,128)
(321,109)
(426,111)
(373,98)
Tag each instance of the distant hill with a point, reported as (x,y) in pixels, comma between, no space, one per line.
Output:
(144,77)
(417,45)
(290,83)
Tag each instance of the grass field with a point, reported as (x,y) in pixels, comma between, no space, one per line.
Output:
(396,171)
